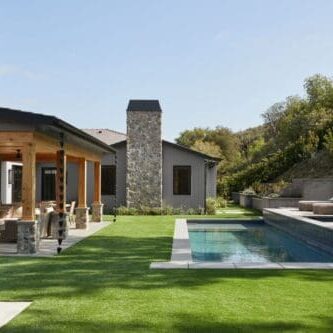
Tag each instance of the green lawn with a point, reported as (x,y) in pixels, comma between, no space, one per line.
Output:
(104,285)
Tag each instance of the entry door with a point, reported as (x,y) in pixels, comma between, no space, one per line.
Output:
(49,184)
(16,183)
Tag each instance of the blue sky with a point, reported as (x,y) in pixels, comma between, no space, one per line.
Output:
(209,62)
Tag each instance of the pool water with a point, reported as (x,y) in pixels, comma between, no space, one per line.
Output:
(254,242)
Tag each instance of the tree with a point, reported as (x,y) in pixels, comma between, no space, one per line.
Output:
(209,148)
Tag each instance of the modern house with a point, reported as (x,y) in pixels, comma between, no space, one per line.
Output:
(149,171)
(137,169)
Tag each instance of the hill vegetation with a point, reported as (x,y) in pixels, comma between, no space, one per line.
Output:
(295,139)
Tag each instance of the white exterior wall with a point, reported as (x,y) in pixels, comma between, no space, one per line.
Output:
(6,189)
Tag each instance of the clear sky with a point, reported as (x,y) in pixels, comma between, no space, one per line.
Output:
(209,62)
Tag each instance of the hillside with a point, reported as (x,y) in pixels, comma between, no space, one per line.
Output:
(320,165)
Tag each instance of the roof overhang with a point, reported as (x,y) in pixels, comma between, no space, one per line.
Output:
(52,127)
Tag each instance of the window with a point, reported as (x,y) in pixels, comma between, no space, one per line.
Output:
(182,180)
(49,184)
(108,180)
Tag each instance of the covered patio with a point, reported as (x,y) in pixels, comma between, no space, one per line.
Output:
(28,139)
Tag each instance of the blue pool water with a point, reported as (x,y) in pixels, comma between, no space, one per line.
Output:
(255,242)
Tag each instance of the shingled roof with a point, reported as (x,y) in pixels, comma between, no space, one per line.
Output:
(144,105)
(106,135)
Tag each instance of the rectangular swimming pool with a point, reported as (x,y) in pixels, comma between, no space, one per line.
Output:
(249,242)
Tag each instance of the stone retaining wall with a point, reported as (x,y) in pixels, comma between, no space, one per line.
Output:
(312,232)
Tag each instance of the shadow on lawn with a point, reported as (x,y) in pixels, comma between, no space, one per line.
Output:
(181,323)
(116,262)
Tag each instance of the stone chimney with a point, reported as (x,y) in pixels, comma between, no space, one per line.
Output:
(144,154)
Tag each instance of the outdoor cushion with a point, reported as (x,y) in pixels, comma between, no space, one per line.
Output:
(307,205)
(323,208)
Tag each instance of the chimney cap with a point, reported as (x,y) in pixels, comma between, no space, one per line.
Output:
(144,105)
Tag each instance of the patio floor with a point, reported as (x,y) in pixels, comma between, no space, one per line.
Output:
(9,310)
(48,247)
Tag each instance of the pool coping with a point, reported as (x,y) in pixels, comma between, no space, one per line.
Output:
(181,256)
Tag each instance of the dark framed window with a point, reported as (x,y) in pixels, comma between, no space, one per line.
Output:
(108,180)
(182,180)
(49,184)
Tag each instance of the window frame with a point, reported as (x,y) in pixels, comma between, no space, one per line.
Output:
(44,171)
(189,185)
(112,190)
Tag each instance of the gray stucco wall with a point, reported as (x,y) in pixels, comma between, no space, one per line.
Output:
(211,182)
(72,180)
(173,156)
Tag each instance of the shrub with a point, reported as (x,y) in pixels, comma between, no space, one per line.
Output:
(165,210)
(268,168)
(122,210)
(249,191)
(269,189)
(211,206)
(328,141)
(221,202)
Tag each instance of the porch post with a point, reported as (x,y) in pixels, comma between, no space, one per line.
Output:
(82,216)
(97,206)
(27,228)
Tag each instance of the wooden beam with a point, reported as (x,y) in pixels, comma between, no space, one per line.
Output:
(14,137)
(28,182)
(61,181)
(97,183)
(48,144)
(82,184)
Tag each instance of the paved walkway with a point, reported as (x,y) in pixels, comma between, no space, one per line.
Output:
(9,310)
(48,247)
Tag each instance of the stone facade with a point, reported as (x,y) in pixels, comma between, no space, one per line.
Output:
(97,212)
(27,237)
(144,159)
(82,218)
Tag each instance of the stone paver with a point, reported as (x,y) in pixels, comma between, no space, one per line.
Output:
(306,265)
(169,265)
(211,265)
(48,247)
(9,310)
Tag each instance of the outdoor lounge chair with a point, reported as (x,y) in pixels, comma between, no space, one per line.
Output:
(323,208)
(307,205)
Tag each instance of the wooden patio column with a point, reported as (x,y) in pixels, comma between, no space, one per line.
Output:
(82,216)
(28,182)
(27,228)
(97,182)
(97,206)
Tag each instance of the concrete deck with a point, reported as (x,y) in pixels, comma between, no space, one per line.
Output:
(48,247)
(9,310)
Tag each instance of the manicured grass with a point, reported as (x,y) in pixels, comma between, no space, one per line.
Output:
(104,284)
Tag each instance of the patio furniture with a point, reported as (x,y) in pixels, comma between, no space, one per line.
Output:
(45,218)
(8,233)
(323,208)
(71,211)
(307,205)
